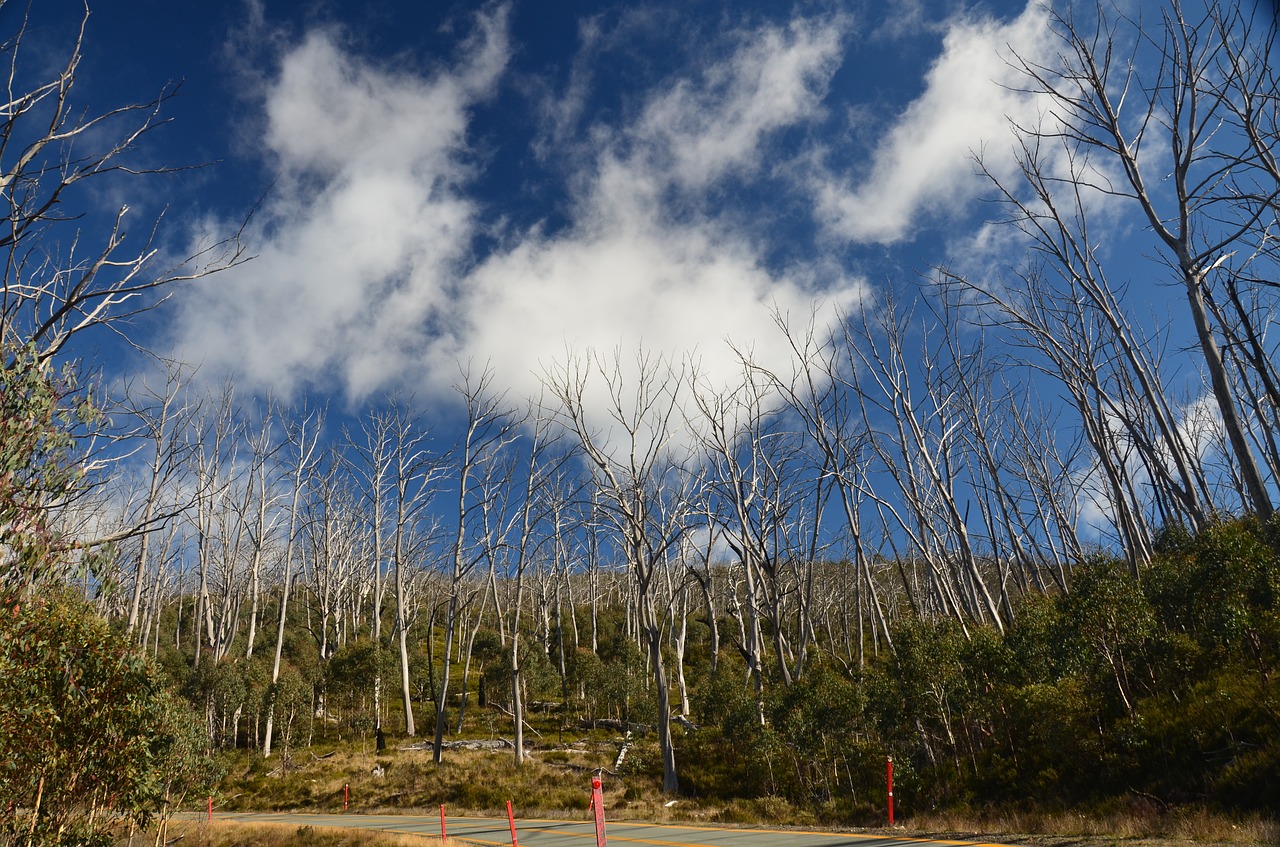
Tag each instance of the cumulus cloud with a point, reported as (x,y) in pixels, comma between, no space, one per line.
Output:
(698,130)
(369,275)
(367,224)
(924,163)
(633,273)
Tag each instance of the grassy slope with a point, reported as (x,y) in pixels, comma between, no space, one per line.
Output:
(556,783)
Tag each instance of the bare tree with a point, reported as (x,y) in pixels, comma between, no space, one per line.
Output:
(537,521)
(816,391)
(910,413)
(756,465)
(331,535)
(162,421)
(369,458)
(1178,122)
(414,472)
(215,459)
(63,275)
(303,434)
(645,486)
(262,515)
(490,427)
(72,261)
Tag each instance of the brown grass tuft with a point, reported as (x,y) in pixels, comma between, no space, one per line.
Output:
(554,784)
(229,834)
(1136,826)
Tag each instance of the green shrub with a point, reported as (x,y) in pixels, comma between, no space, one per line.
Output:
(89,739)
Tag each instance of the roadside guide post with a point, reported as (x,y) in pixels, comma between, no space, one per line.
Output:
(888,760)
(443,835)
(210,809)
(511,818)
(597,806)
(346,795)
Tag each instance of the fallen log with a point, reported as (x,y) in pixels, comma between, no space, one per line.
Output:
(622,754)
(465,744)
(584,769)
(614,724)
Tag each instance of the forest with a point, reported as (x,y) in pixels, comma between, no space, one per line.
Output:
(987,528)
(1155,690)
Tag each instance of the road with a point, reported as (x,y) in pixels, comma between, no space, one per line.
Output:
(561,833)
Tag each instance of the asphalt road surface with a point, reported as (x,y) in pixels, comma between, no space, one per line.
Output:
(561,833)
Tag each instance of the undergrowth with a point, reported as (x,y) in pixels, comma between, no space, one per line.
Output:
(227,834)
(556,783)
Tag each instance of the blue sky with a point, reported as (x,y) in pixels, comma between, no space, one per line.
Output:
(506,182)
(450,187)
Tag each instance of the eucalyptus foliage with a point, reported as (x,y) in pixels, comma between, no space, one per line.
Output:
(90,740)
(40,411)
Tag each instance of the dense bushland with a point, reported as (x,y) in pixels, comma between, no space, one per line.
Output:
(1155,690)
(94,744)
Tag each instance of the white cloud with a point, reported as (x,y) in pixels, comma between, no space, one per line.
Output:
(673,292)
(908,18)
(368,279)
(636,272)
(696,131)
(924,164)
(366,226)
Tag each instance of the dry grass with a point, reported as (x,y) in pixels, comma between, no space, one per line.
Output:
(557,784)
(1135,826)
(468,781)
(226,834)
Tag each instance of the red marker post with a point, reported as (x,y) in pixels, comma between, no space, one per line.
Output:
(443,835)
(346,795)
(888,760)
(511,818)
(210,810)
(597,806)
